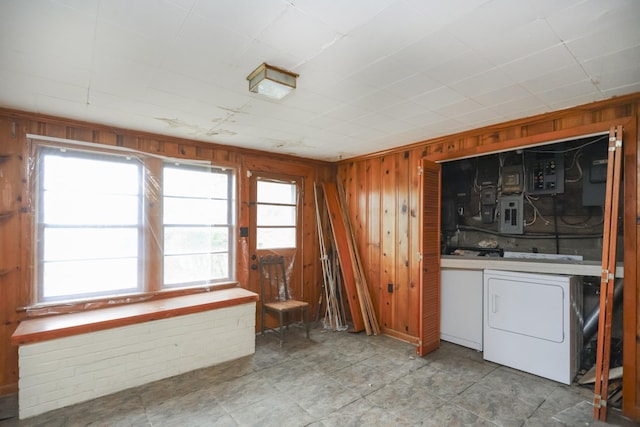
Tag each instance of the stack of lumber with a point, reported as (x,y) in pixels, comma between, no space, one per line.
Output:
(334,316)
(360,304)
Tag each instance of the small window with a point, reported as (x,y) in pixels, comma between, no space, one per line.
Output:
(276,214)
(197,221)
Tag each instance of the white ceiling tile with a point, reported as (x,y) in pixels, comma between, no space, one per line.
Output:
(111,40)
(377,98)
(619,79)
(569,91)
(437,14)
(424,117)
(347,112)
(160,23)
(322,121)
(379,123)
(400,25)
(515,108)
(603,42)
(492,18)
(431,50)
(612,62)
(43,26)
(592,16)
(343,16)
(479,118)
(556,78)
(437,98)
(460,108)
(413,86)
(242,16)
(120,76)
(542,62)
(488,81)
(622,90)
(519,42)
(383,73)
(299,34)
(502,95)
(401,110)
(459,68)
(348,90)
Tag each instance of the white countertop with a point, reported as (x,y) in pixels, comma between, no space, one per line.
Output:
(578,268)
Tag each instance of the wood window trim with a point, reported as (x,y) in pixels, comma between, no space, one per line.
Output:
(64,325)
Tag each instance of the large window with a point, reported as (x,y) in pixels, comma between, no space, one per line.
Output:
(115,224)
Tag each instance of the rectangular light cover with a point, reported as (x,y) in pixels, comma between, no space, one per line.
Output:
(271,81)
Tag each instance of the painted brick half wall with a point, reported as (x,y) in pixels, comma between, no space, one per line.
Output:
(65,371)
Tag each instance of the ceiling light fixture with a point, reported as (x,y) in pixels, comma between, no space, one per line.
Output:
(272,81)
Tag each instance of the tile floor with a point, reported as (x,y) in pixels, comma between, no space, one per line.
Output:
(337,379)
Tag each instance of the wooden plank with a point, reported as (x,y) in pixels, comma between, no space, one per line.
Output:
(340,236)
(373,233)
(631,297)
(609,241)
(368,312)
(388,239)
(402,295)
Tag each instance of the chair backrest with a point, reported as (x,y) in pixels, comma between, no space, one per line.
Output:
(273,278)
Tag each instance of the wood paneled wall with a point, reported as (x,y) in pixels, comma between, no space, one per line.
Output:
(16,252)
(382,191)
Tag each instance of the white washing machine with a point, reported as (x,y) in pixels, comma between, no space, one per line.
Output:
(533,323)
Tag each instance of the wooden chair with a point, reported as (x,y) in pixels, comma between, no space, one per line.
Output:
(275,294)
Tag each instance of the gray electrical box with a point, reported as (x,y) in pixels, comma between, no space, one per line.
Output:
(512,179)
(545,173)
(511,218)
(487,204)
(594,180)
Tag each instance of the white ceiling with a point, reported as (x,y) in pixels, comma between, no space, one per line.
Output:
(374,74)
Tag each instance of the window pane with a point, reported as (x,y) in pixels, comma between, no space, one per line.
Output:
(191,240)
(276,215)
(276,192)
(78,173)
(272,238)
(67,208)
(194,181)
(91,277)
(195,211)
(89,243)
(202,268)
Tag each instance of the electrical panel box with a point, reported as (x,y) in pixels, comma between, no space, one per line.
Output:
(487,204)
(594,179)
(545,173)
(512,179)
(487,172)
(511,218)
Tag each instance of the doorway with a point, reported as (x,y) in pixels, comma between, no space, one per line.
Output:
(275,225)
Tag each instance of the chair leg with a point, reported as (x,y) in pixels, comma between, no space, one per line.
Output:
(281,329)
(306,320)
(262,320)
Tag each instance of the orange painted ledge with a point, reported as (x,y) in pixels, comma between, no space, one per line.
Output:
(46,328)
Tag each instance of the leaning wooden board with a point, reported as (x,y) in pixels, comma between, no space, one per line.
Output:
(340,235)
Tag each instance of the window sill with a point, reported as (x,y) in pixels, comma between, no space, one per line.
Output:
(46,328)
